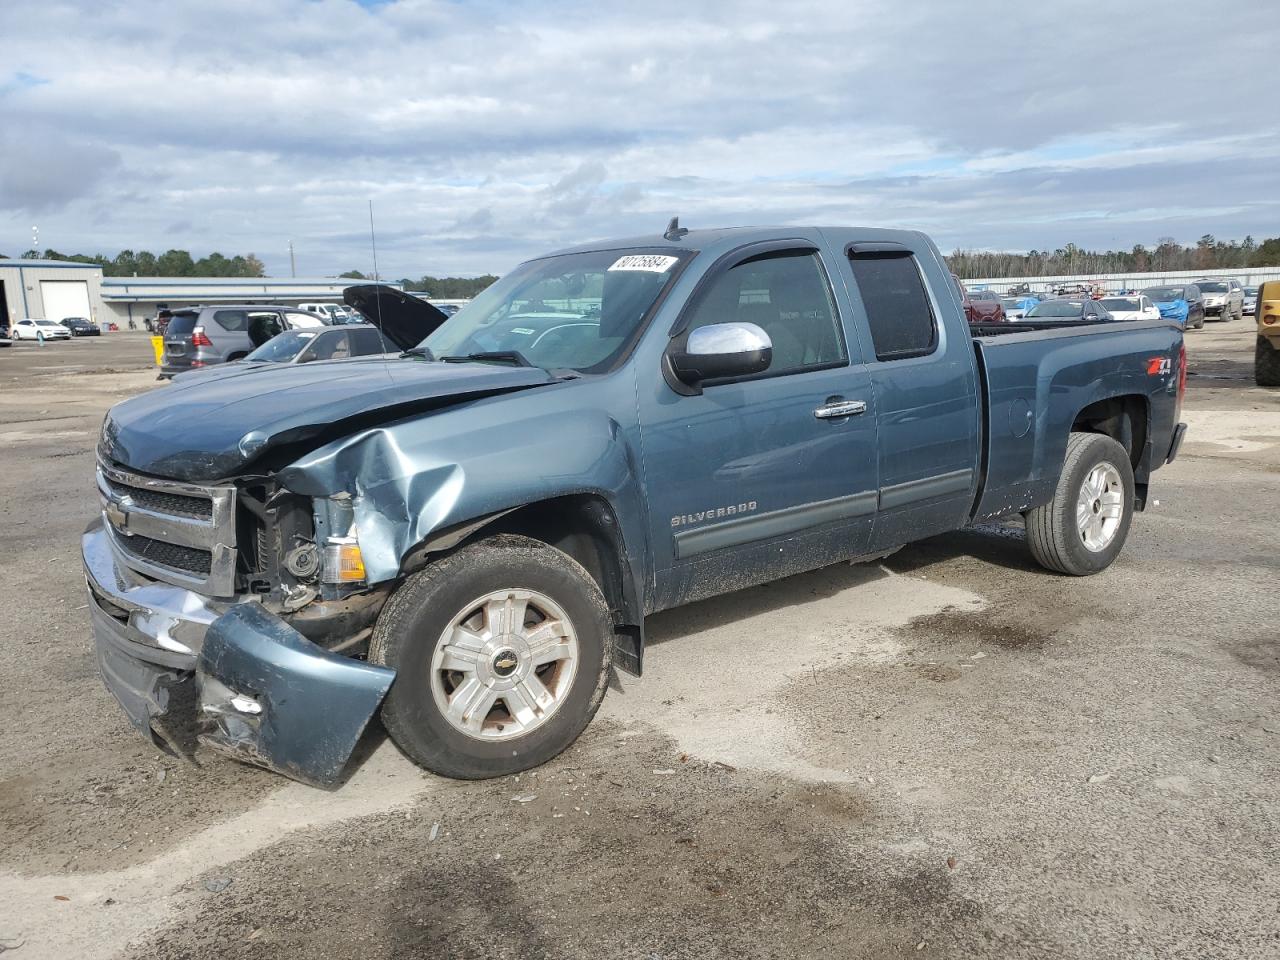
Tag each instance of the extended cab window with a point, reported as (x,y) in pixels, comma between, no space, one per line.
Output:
(786,295)
(898,309)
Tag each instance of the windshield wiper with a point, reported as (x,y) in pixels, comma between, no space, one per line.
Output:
(513,357)
(417,352)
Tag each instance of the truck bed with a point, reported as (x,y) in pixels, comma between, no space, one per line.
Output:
(1040,381)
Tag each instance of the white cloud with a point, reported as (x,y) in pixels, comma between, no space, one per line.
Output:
(485,132)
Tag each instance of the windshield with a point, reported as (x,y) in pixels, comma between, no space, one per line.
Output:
(1165,294)
(1211,286)
(579,311)
(283,346)
(1011,303)
(1120,303)
(1057,308)
(1250,291)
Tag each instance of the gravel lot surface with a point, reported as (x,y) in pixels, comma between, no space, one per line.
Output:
(947,754)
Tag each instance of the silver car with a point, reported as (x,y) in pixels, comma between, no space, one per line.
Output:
(1223,299)
(206,336)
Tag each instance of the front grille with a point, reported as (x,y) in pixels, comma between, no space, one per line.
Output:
(159,502)
(171,555)
(184,533)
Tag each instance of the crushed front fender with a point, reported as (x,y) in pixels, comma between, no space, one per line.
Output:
(271,697)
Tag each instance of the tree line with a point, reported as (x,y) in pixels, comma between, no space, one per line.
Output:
(171,263)
(444,288)
(1209,253)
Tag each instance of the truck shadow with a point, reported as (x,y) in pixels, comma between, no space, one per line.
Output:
(999,544)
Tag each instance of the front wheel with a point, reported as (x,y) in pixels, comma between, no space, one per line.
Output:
(502,653)
(1082,529)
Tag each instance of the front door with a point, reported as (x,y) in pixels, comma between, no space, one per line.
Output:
(767,475)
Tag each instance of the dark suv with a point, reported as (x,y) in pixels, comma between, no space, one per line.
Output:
(204,336)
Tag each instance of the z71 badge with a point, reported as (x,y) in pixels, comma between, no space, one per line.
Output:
(714,513)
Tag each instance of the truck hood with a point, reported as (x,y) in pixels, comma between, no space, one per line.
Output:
(214,428)
(404,319)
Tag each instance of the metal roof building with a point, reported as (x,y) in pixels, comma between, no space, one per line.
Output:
(49,290)
(136,298)
(56,289)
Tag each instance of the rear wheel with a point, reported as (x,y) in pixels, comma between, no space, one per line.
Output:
(1266,364)
(502,654)
(1083,528)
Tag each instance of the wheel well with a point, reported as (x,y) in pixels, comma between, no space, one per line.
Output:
(231,357)
(583,526)
(1124,419)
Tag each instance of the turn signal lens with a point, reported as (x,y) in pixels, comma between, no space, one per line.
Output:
(343,562)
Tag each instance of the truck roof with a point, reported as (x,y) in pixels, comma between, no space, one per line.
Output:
(721,239)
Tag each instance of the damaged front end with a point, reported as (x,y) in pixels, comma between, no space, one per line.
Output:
(271,697)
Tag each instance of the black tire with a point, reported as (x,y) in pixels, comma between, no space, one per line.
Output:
(411,625)
(1266,364)
(1052,533)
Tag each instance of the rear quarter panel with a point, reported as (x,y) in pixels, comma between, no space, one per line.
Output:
(1039,381)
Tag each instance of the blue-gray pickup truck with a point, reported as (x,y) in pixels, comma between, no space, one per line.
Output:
(469,535)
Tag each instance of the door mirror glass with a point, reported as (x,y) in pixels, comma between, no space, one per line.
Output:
(720,350)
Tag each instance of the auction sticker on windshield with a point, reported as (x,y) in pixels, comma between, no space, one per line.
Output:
(648,262)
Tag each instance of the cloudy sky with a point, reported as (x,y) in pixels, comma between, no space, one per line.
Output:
(486,132)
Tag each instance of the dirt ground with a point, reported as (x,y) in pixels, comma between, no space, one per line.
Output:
(947,754)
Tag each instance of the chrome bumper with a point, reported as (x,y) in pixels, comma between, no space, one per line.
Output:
(161,620)
(258,689)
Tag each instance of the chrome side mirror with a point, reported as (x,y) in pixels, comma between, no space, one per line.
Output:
(719,351)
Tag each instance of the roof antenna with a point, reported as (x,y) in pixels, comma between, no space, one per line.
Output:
(674,230)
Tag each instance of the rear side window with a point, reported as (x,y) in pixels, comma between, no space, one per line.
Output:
(181,324)
(898,310)
(232,319)
(365,342)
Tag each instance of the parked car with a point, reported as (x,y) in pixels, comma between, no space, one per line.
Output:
(469,537)
(1063,309)
(1016,307)
(986,307)
(1249,304)
(307,346)
(1135,307)
(29,329)
(1181,302)
(328,312)
(5,341)
(1223,299)
(204,336)
(81,327)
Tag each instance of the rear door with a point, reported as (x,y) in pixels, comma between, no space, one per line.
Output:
(924,380)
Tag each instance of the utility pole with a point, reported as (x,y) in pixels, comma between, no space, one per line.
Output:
(293,267)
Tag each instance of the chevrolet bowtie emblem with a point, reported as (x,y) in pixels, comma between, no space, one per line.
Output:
(506,663)
(117,516)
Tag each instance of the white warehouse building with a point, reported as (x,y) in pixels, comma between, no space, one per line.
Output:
(49,290)
(57,289)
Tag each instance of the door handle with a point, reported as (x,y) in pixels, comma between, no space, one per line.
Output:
(837,408)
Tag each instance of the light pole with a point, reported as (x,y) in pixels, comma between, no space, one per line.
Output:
(293,267)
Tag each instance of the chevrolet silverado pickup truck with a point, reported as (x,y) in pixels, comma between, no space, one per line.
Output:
(468,537)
